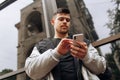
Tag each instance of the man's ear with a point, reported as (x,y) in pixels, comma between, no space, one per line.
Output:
(52,21)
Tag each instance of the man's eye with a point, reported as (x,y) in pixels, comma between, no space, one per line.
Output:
(61,19)
(67,19)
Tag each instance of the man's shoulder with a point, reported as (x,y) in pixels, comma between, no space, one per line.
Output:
(44,41)
(44,44)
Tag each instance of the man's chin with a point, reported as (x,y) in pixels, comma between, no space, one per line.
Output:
(64,32)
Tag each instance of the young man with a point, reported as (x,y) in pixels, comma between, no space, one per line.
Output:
(59,58)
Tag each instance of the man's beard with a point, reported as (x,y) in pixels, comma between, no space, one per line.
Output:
(62,32)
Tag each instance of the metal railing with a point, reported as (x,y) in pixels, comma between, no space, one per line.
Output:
(95,44)
(19,71)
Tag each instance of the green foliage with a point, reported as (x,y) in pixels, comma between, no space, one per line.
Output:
(112,65)
(7,71)
(111,17)
(114,25)
(114,17)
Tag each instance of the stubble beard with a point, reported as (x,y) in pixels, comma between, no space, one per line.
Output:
(62,32)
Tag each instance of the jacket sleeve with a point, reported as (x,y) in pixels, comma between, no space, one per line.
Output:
(93,61)
(39,65)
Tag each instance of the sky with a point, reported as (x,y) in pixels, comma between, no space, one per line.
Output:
(10,16)
(98,10)
(1,1)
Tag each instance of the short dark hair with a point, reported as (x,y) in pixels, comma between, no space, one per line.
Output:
(62,10)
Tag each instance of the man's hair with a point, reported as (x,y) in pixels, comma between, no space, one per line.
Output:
(62,10)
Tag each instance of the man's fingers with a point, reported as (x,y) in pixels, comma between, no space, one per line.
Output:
(80,50)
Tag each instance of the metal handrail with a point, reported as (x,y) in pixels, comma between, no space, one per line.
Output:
(107,40)
(19,71)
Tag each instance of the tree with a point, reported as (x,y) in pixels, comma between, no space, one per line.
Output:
(112,65)
(114,26)
(7,71)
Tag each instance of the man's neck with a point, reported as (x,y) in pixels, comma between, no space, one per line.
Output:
(61,36)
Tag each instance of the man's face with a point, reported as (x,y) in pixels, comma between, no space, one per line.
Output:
(61,23)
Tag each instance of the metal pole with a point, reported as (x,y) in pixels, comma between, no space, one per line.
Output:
(46,18)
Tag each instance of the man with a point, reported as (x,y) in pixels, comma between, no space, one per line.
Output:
(59,58)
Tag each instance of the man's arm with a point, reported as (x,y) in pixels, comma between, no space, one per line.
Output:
(93,61)
(38,65)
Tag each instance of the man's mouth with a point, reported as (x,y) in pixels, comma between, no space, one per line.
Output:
(64,26)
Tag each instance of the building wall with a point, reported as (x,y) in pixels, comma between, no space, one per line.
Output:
(30,31)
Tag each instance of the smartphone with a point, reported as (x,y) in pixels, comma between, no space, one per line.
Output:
(78,37)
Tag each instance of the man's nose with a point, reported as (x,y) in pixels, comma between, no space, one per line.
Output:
(64,20)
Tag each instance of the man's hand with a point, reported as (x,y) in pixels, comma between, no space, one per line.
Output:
(64,46)
(78,50)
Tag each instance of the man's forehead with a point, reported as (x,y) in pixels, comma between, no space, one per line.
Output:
(63,14)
